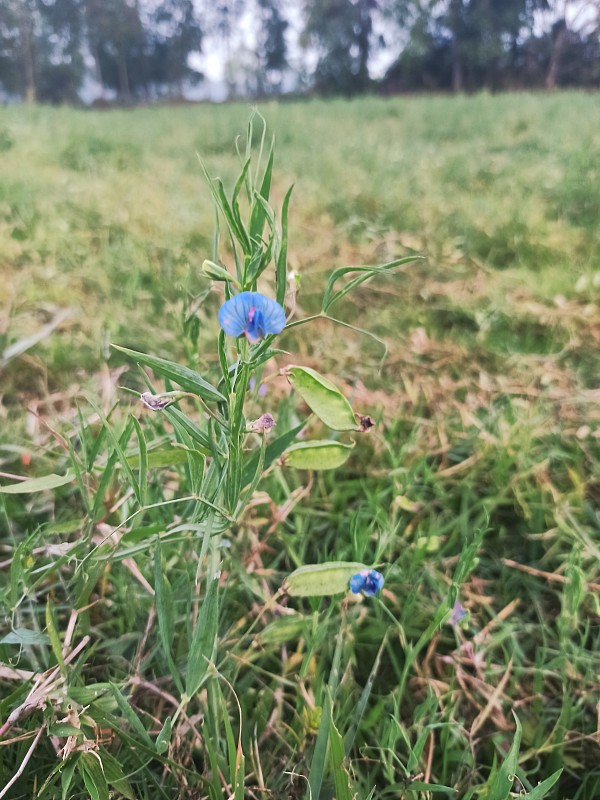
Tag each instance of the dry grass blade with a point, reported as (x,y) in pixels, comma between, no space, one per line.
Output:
(492,704)
(23,764)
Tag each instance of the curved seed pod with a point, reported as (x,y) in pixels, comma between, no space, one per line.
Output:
(323,398)
(317,455)
(319,580)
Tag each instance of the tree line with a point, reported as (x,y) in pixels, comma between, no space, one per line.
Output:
(142,50)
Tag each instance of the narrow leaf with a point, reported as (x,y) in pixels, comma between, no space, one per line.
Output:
(281,265)
(24,637)
(185,377)
(257,218)
(93,776)
(203,639)
(66,776)
(196,433)
(130,715)
(143,461)
(164,737)
(541,790)
(64,729)
(317,764)
(115,776)
(361,706)
(501,783)
(38,484)
(162,457)
(341,777)
(165,613)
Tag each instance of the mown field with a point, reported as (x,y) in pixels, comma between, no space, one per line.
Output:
(480,481)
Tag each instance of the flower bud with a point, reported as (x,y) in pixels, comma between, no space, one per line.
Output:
(215,272)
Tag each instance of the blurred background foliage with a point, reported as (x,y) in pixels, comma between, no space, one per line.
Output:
(58,51)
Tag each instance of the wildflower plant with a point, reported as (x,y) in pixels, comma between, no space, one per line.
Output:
(228,455)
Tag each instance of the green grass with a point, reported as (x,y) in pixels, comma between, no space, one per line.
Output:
(480,481)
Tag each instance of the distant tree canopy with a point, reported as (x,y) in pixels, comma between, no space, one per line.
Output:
(495,44)
(140,49)
(340,31)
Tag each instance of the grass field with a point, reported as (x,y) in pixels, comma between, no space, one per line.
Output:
(480,481)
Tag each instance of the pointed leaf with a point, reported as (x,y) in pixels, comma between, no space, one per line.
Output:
(184,376)
(166,613)
(501,782)
(203,639)
(340,772)
(541,790)
(143,461)
(131,716)
(24,637)
(115,776)
(281,257)
(164,737)
(258,215)
(93,776)
(38,484)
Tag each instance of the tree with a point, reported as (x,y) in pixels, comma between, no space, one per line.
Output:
(464,44)
(174,32)
(271,45)
(40,49)
(575,25)
(341,32)
(117,42)
(60,64)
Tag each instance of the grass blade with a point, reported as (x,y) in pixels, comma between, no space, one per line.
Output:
(501,781)
(341,776)
(281,257)
(203,640)
(165,613)
(143,461)
(43,484)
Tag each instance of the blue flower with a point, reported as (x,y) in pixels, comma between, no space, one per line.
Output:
(458,613)
(251,314)
(368,581)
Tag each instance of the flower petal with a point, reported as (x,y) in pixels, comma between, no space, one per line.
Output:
(372,582)
(233,314)
(273,315)
(253,314)
(458,613)
(357,583)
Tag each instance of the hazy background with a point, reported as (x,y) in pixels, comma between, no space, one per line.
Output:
(129,51)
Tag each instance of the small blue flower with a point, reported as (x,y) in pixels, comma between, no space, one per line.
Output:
(458,613)
(368,581)
(251,314)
